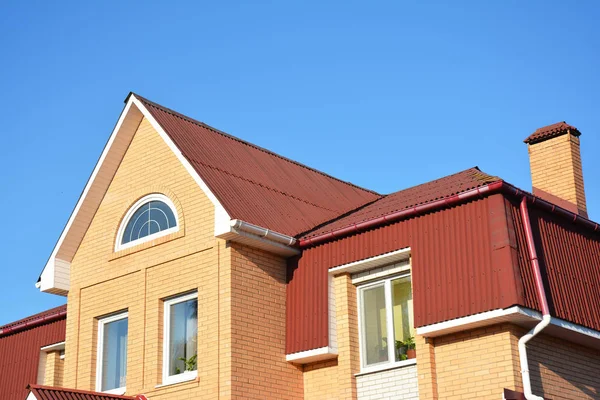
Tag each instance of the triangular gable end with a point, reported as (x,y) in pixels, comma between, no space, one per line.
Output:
(56,273)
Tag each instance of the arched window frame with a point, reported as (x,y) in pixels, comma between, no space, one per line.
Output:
(133,209)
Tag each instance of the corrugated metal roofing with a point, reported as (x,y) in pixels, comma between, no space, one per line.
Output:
(461,265)
(33,319)
(56,393)
(414,196)
(256,185)
(550,131)
(20,352)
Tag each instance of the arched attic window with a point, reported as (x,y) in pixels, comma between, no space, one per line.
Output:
(150,217)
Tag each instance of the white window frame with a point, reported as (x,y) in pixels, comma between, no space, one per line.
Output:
(185,375)
(133,209)
(391,363)
(99,351)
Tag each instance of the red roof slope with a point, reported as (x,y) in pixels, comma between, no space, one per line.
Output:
(414,196)
(33,320)
(256,185)
(20,344)
(550,131)
(56,393)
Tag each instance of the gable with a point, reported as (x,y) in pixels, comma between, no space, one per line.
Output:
(148,167)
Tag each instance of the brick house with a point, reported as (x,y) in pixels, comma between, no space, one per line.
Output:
(197,265)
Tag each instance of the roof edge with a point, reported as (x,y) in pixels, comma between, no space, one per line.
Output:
(499,186)
(40,320)
(232,137)
(34,387)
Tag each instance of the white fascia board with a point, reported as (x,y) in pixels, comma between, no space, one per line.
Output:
(47,280)
(308,356)
(222,218)
(53,347)
(372,262)
(517,315)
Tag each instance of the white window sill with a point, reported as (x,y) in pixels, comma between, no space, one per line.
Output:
(181,378)
(387,366)
(117,391)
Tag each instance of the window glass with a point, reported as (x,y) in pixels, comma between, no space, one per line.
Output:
(402,312)
(183,332)
(114,355)
(375,325)
(152,217)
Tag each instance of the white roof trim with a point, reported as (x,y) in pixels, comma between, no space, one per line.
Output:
(372,262)
(53,347)
(308,356)
(518,315)
(55,275)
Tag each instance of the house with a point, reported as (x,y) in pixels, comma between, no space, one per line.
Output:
(32,351)
(197,265)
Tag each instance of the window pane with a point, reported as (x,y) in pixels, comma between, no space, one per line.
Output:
(183,332)
(402,306)
(374,325)
(150,218)
(114,355)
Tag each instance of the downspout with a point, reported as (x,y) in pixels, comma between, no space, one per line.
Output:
(535,265)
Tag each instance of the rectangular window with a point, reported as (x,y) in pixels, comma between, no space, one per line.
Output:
(180,350)
(386,322)
(111,367)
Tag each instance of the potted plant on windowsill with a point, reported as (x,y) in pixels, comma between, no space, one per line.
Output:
(411,351)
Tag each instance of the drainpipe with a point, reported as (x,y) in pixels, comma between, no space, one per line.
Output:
(535,265)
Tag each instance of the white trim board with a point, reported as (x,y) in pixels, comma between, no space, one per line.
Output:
(308,356)
(518,315)
(372,262)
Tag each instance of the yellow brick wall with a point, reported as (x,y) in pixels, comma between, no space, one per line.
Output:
(53,374)
(321,380)
(556,168)
(258,293)
(561,370)
(137,279)
(479,363)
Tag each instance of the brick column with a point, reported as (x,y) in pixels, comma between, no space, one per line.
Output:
(54,369)
(347,330)
(426,371)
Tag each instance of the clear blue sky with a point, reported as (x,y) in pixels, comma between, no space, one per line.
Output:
(383,94)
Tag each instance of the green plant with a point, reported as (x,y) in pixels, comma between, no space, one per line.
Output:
(190,363)
(410,343)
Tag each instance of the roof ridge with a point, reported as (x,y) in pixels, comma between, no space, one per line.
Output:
(259,184)
(229,136)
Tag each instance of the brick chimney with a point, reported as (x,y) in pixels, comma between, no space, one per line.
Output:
(555,160)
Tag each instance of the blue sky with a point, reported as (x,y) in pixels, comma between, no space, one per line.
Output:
(383,94)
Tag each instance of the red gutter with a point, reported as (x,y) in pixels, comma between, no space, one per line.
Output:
(533,258)
(33,323)
(495,187)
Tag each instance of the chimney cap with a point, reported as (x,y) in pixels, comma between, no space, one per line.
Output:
(551,131)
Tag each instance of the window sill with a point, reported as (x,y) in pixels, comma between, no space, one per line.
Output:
(117,391)
(176,379)
(386,367)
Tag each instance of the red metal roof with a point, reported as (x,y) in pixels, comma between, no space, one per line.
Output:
(20,346)
(34,320)
(550,131)
(56,393)
(414,196)
(256,185)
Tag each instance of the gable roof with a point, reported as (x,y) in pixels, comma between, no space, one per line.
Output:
(55,393)
(551,131)
(404,199)
(256,185)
